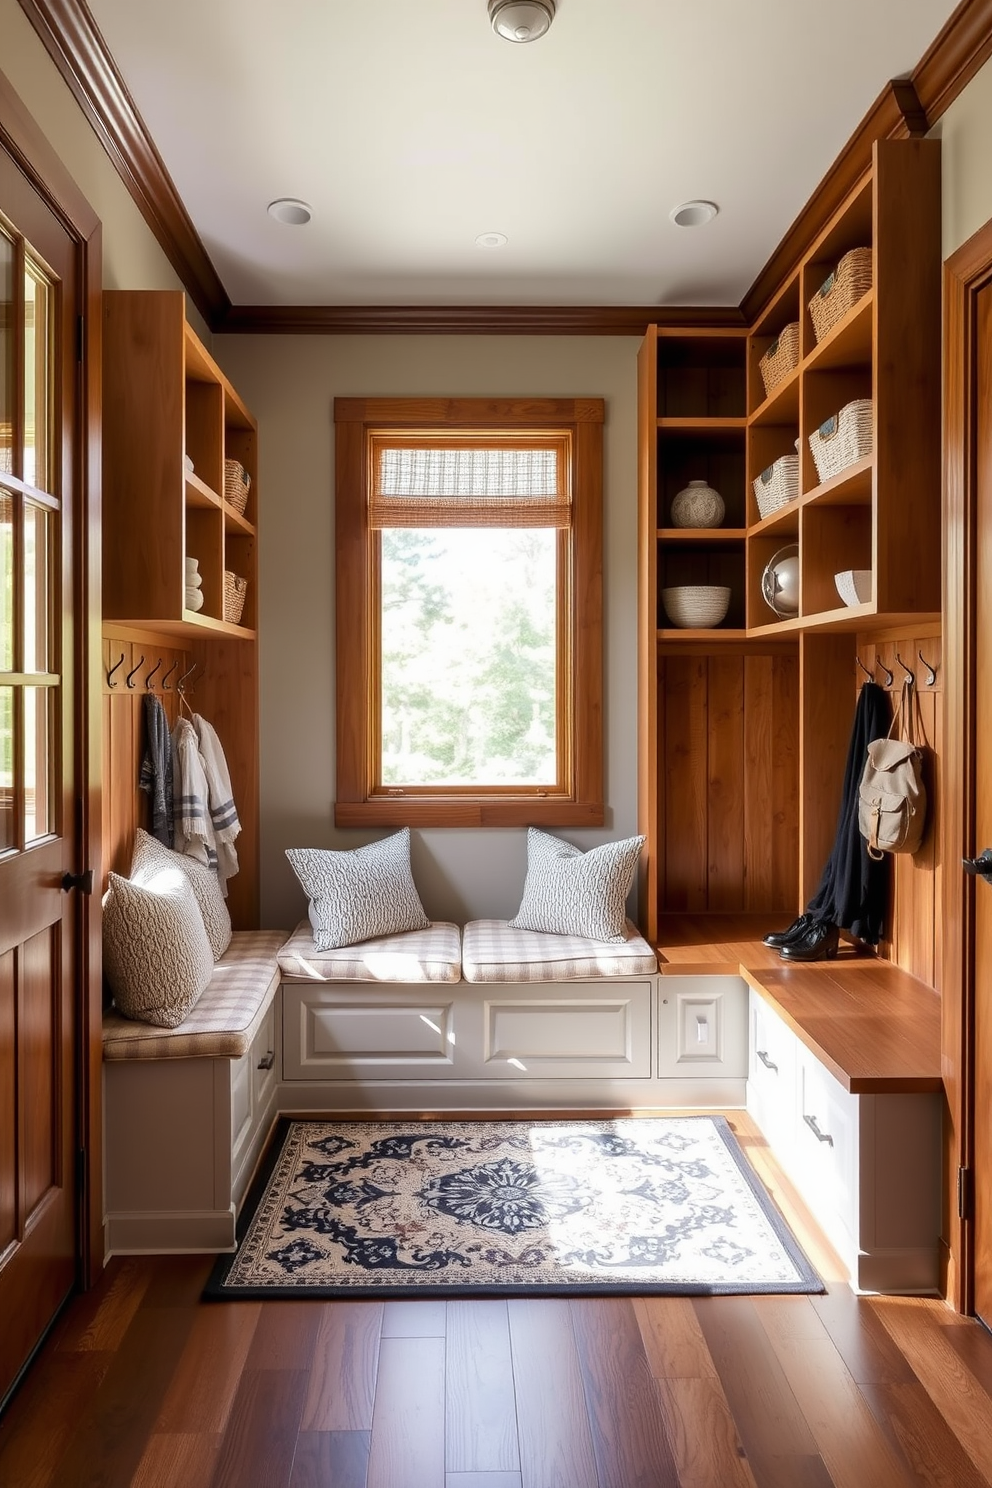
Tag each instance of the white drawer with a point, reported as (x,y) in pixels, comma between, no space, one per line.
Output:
(264,1061)
(702,1026)
(827,1141)
(771,1086)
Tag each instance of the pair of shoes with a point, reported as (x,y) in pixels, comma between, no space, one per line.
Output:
(779,938)
(818,943)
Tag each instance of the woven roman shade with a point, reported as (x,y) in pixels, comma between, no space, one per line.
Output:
(469,480)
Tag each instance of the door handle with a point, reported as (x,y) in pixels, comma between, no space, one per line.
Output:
(768,1063)
(267,1061)
(821,1136)
(81,881)
(979,867)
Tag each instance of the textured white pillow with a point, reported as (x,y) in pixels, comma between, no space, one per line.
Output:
(570,892)
(360,894)
(156,955)
(150,856)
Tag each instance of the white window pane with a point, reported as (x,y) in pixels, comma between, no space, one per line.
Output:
(468,656)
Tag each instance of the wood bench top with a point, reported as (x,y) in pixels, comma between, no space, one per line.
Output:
(873,1025)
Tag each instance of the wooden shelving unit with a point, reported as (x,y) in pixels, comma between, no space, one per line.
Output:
(743,729)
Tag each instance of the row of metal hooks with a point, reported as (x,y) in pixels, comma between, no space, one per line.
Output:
(166,685)
(910,676)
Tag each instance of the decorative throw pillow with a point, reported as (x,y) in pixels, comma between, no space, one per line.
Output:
(156,955)
(570,892)
(150,856)
(360,894)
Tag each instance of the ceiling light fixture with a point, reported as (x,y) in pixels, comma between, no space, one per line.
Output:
(694,213)
(521,20)
(291,211)
(491,240)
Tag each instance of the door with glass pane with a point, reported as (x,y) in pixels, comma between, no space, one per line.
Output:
(38,983)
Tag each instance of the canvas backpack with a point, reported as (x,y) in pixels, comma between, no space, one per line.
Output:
(892,799)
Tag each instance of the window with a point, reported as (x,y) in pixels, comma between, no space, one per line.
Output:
(469,612)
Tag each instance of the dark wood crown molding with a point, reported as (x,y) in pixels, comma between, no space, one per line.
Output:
(73,41)
(906,106)
(468,320)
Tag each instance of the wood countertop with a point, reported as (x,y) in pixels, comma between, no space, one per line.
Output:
(875,1027)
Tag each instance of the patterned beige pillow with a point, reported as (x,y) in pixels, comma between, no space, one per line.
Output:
(361,894)
(150,856)
(156,955)
(570,892)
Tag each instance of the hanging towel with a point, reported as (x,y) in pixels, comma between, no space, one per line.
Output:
(194,833)
(156,775)
(223,812)
(854,889)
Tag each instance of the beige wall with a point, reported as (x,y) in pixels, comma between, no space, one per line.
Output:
(966,132)
(132,258)
(289,384)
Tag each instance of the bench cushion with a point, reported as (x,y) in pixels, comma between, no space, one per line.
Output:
(431,955)
(493,951)
(226,1017)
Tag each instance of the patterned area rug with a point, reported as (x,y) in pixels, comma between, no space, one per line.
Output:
(503,1208)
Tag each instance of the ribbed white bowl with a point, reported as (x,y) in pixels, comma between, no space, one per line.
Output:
(854,585)
(696,606)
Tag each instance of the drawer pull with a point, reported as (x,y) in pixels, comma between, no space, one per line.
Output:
(768,1063)
(821,1136)
(267,1060)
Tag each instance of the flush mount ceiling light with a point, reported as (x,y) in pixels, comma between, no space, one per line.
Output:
(694,213)
(291,211)
(521,20)
(491,240)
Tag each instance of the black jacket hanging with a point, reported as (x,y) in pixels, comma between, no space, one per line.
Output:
(854,889)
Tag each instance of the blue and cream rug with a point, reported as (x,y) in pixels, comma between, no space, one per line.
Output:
(504,1208)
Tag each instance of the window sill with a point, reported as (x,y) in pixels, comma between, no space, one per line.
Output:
(473,811)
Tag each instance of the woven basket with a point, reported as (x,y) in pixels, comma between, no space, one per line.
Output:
(781,358)
(843,439)
(840,291)
(235,590)
(778,485)
(237,483)
(696,606)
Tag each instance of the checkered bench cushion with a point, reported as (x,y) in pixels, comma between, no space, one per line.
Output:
(226,1017)
(494,952)
(431,955)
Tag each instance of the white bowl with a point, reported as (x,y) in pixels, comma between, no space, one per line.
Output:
(854,585)
(696,606)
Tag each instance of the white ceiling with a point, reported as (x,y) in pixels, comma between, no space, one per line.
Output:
(411,128)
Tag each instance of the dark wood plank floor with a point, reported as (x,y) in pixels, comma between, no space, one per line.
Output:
(142,1384)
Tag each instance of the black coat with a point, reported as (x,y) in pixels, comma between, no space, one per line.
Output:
(854,889)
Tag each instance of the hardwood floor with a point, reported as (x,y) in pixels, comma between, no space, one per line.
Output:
(141,1384)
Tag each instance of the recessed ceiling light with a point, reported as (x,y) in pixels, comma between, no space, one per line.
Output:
(521,20)
(694,213)
(491,240)
(290,210)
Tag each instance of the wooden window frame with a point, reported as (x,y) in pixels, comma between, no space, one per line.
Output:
(359,803)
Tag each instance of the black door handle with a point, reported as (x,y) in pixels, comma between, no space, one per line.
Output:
(81,881)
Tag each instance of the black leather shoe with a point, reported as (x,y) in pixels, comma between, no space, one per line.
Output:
(818,943)
(779,938)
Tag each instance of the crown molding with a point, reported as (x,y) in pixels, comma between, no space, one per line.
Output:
(73,41)
(70,34)
(468,320)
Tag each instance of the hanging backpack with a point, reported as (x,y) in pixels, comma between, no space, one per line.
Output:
(892,799)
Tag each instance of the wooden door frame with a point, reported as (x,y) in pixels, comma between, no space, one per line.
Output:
(34,156)
(966,274)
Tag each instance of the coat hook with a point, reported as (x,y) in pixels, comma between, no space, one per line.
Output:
(165,679)
(148,679)
(140,663)
(931,671)
(110,674)
(910,676)
(180,685)
(864,668)
(889,678)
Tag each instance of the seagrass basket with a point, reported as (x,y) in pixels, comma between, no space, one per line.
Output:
(237,483)
(777,485)
(781,358)
(235,590)
(842,439)
(840,291)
